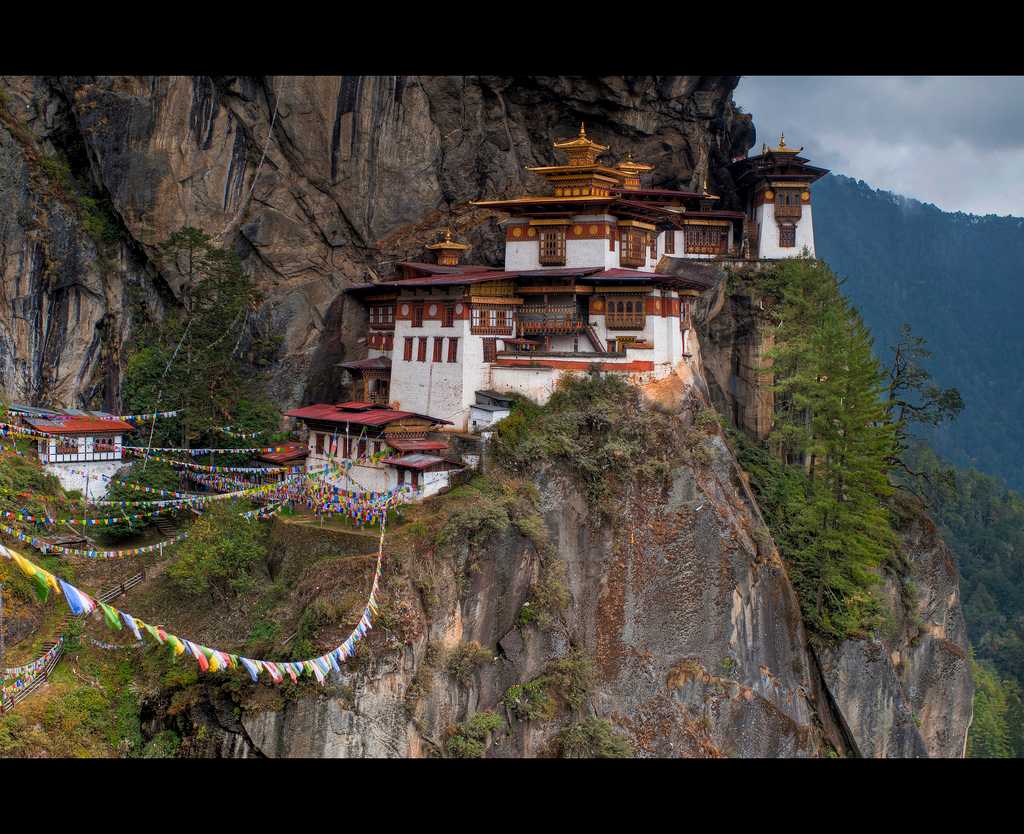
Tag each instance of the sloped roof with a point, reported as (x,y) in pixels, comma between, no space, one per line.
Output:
(71,424)
(330,413)
(291,452)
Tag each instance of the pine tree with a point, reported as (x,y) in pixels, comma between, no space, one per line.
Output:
(202,360)
(831,420)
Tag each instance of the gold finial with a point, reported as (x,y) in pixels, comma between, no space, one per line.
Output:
(448,235)
(782,148)
(583,131)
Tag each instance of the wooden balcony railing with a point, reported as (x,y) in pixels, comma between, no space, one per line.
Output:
(549,318)
(618,321)
(788,211)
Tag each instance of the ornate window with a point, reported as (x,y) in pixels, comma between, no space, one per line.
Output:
(670,242)
(787,235)
(490,350)
(705,240)
(408,349)
(654,246)
(631,243)
(492,320)
(625,313)
(453,349)
(552,246)
(417,314)
(787,202)
(448,316)
(382,316)
(421,353)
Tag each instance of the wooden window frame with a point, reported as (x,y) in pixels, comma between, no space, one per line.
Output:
(551,245)
(320,442)
(438,347)
(448,316)
(670,243)
(787,235)
(417,314)
(408,348)
(631,247)
(421,350)
(453,349)
(490,350)
(706,240)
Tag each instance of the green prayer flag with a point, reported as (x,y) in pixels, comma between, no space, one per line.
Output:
(42,587)
(110,615)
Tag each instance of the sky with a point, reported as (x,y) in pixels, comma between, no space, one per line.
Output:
(955,141)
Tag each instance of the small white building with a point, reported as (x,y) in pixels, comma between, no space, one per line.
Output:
(82,448)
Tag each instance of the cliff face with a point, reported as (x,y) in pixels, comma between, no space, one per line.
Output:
(681,603)
(316,181)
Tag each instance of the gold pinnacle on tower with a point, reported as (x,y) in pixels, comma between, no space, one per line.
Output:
(448,251)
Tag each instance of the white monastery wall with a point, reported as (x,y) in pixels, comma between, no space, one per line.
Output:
(92,486)
(768,233)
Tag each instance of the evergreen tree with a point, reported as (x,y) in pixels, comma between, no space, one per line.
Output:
(202,360)
(831,420)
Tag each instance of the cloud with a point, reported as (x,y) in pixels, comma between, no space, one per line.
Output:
(956,141)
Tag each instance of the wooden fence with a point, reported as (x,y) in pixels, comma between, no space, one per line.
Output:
(10,702)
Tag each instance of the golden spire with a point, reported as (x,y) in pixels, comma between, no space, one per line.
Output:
(582,150)
(448,250)
(782,146)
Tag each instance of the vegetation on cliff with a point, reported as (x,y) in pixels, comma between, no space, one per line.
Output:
(824,483)
(206,360)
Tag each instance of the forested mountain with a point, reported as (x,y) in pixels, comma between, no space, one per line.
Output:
(957,279)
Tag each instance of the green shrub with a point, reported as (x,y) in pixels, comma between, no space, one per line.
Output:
(163,745)
(465,659)
(594,738)
(530,701)
(571,677)
(221,553)
(595,428)
(469,739)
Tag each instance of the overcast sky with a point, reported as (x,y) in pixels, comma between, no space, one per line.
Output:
(957,142)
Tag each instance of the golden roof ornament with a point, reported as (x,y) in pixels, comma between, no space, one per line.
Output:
(448,243)
(705,193)
(782,146)
(582,150)
(448,251)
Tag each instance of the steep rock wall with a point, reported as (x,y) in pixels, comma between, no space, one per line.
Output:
(316,181)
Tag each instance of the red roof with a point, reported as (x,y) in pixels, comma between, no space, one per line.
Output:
(438,269)
(291,452)
(78,425)
(330,413)
(417,445)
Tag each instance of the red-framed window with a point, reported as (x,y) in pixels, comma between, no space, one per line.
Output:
(448,316)
(490,350)
(453,349)
(417,314)
(670,243)
(421,354)
(438,343)
(408,349)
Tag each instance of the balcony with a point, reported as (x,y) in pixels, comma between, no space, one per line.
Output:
(621,321)
(548,319)
(788,211)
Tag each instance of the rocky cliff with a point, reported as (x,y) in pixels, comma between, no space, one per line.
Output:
(317,182)
(680,604)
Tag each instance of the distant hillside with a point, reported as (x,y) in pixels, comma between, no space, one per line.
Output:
(958,279)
